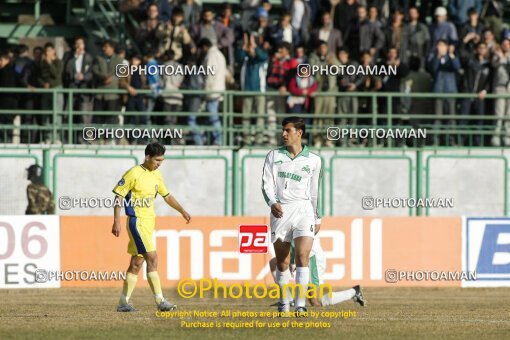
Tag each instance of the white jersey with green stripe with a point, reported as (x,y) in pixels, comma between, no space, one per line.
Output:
(286,180)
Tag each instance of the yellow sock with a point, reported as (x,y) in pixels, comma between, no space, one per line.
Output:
(129,286)
(155,284)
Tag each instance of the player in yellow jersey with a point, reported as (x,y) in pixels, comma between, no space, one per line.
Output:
(138,188)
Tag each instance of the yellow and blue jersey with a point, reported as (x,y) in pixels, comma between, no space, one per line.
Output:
(138,186)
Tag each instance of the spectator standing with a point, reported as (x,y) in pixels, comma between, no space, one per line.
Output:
(362,35)
(136,81)
(416,42)
(106,78)
(173,35)
(367,83)
(470,34)
(442,29)
(489,39)
(501,64)
(152,82)
(395,34)
(146,34)
(373,16)
(301,17)
(50,77)
(458,10)
(191,12)
(347,83)
(284,32)
(172,102)
(345,11)
(281,68)
(214,82)
(78,75)
(214,31)
(253,79)
(392,83)
(444,67)
(229,20)
(477,79)
(192,102)
(417,81)
(325,83)
(26,78)
(327,33)
(7,100)
(492,14)
(263,29)
(302,90)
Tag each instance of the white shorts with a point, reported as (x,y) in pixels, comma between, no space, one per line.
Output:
(298,220)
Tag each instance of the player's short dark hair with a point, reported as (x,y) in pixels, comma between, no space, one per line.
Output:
(297,122)
(155,149)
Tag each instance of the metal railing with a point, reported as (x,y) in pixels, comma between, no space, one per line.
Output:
(377,112)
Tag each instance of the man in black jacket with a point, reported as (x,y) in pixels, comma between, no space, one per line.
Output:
(78,75)
(26,78)
(363,35)
(7,100)
(477,79)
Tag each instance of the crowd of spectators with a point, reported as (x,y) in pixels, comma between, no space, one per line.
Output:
(255,46)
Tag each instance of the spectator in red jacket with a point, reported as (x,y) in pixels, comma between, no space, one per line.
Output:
(302,89)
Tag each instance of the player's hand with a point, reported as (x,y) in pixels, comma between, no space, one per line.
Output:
(276,210)
(317,228)
(186,216)
(116,229)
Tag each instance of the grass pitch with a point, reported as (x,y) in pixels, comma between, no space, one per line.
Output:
(391,313)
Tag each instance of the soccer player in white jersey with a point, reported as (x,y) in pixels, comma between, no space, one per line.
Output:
(317,266)
(290,185)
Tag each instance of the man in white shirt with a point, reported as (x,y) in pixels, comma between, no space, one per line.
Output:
(290,185)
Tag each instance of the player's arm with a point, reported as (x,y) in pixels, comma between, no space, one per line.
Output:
(314,194)
(171,201)
(123,187)
(269,187)
(116,215)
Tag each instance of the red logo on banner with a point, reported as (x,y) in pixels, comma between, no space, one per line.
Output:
(253,239)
